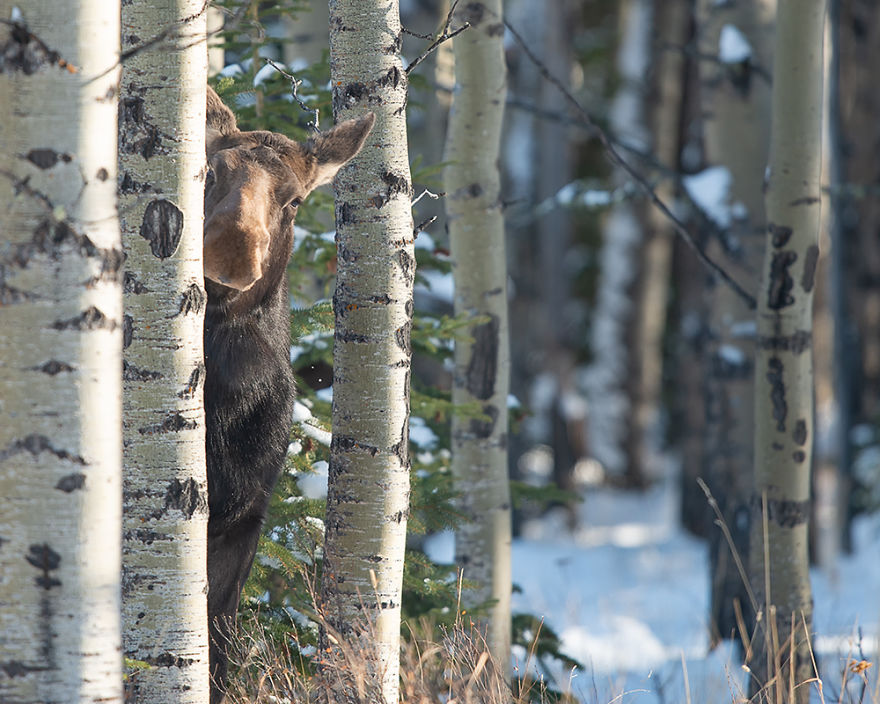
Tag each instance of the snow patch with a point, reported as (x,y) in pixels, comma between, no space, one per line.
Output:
(733,47)
(710,190)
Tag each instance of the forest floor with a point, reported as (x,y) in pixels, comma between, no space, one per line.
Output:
(628,594)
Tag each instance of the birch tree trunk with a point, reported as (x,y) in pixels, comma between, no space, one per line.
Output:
(482,364)
(60,354)
(735,99)
(784,374)
(162,171)
(368,494)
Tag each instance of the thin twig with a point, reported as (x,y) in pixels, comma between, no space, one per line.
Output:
(617,159)
(426,192)
(294,86)
(444,35)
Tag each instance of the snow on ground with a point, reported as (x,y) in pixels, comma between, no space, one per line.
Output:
(628,594)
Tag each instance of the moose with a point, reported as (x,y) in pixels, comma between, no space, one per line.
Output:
(254,183)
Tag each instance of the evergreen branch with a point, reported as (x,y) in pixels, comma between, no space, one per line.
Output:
(616,158)
(445,35)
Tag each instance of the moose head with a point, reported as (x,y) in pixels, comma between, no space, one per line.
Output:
(255,182)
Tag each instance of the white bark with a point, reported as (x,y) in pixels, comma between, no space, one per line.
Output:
(482,364)
(610,404)
(368,496)
(60,354)
(162,168)
(784,374)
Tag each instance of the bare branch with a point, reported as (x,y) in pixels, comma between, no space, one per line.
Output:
(444,35)
(294,86)
(615,157)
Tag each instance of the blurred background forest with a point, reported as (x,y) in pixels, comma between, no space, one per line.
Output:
(632,363)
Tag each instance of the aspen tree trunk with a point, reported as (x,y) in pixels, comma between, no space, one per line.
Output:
(60,354)
(671,22)
(368,495)
(482,364)
(216,52)
(623,234)
(783,371)
(735,98)
(162,170)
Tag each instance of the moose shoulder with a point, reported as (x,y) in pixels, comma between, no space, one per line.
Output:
(254,183)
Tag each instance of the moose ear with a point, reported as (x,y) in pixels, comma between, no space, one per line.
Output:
(334,148)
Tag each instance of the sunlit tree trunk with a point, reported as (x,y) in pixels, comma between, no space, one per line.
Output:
(161,166)
(735,97)
(783,370)
(482,363)
(368,495)
(60,354)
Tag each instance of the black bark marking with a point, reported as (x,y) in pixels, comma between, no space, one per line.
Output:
(174,423)
(798,456)
(800,432)
(186,497)
(131,284)
(51,239)
(26,52)
(344,216)
(102,174)
(407,265)
(128,185)
(35,444)
(779,234)
(495,30)
(132,373)
(809,277)
(349,96)
(53,367)
(89,319)
(71,482)
(807,200)
(192,300)
(162,227)
(391,78)
(396,184)
(349,336)
(127,330)
(46,158)
(781,283)
(483,366)
(473,13)
(787,514)
(483,428)
(795,343)
(777,392)
(196,379)
(47,560)
(403,337)
(169,660)
(137,134)
(344,443)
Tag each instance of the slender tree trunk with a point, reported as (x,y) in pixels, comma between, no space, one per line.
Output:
(672,19)
(784,375)
(216,52)
(162,167)
(60,354)
(368,495)
(735,97)
(482,364)
(607,380)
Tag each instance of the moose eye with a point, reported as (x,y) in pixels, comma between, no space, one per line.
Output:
(295,203)
(209,178)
